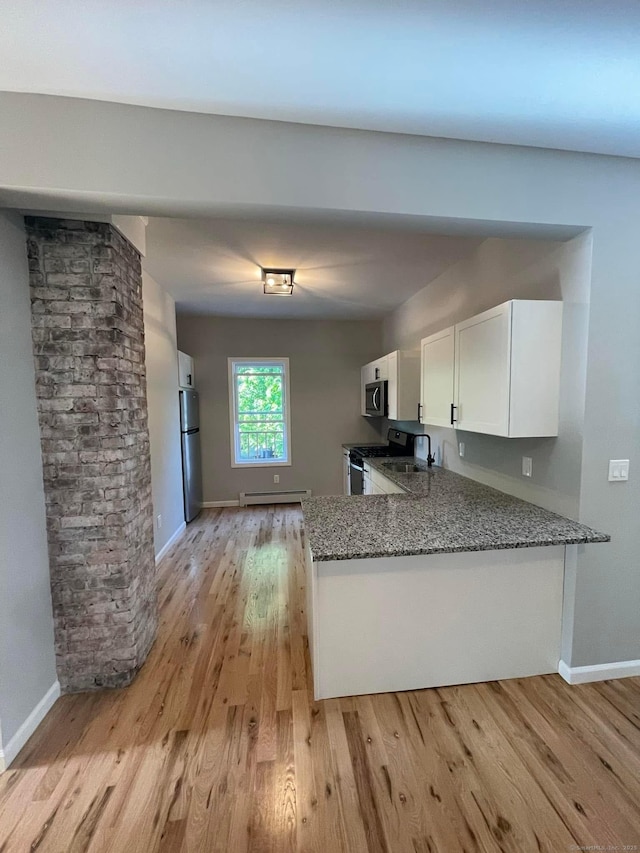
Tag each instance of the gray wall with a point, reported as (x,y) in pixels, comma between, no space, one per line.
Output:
(161,359)
(325,361)
(126,158)
(27,662)
(497,271)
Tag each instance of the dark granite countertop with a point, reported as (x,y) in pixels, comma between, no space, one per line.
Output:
(440,513)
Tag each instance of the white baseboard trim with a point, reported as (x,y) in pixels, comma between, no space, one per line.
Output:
(164,550)
(598,672)
(209,504)
(13,747)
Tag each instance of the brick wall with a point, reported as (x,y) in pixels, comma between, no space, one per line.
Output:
(88,341)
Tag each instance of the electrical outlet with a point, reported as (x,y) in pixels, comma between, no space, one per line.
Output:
(618,470)
(527,466)
(461,448)
(159,522)
(276,478)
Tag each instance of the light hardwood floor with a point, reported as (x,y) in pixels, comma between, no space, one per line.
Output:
(219,746)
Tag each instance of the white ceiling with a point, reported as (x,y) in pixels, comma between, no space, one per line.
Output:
(343,270)
(551,73)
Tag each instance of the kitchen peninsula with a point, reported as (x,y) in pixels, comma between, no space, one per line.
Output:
(446,582)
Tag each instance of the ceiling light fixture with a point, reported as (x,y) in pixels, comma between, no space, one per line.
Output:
(278,282)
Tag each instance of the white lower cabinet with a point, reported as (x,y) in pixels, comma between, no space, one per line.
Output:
(367,487)
(346,473)
(377,484)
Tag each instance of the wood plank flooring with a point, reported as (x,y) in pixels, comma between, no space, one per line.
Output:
(219,746)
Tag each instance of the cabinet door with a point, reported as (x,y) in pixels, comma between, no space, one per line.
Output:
(380,369)
(390,488)
(376,488)
(437,378)
(369,372)
(381,485)
(367,484)
(346,473)
(392,386)
(185,370)
(482,371)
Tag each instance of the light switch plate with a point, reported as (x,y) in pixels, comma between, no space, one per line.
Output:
(527,466)
(276,478)
(461,448)
(618,470)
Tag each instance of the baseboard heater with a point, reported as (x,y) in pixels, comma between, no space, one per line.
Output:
(289,496)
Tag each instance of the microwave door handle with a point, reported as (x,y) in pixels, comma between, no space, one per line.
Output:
(376,400)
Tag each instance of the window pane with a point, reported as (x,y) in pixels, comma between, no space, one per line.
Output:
(259,417)
(262,444)
(260,393)
(257,368)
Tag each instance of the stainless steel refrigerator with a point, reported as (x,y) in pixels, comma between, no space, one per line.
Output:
(191,461)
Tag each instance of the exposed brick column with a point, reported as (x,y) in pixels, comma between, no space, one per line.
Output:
(88,340)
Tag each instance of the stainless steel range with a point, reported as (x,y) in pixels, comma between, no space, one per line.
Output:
(400,444)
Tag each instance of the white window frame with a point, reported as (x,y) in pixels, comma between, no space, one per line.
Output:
(258,463)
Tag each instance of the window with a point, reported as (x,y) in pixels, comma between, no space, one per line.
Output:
(259,406)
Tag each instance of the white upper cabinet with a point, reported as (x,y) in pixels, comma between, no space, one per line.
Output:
(437,377)
(186,375)
(500,370)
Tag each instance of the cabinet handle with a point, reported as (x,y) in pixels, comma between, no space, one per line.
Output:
(419,413)
(188,379)
(377,373)
(453,420)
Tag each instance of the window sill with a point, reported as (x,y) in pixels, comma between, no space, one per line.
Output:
(261,463)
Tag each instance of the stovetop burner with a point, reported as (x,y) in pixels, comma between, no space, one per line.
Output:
(400,444)
(373,450)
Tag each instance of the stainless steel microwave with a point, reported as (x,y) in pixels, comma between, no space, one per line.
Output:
(376,398)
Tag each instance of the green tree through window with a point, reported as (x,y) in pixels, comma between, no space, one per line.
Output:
(260,406)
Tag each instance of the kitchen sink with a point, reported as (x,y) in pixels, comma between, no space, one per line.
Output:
(402,467)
